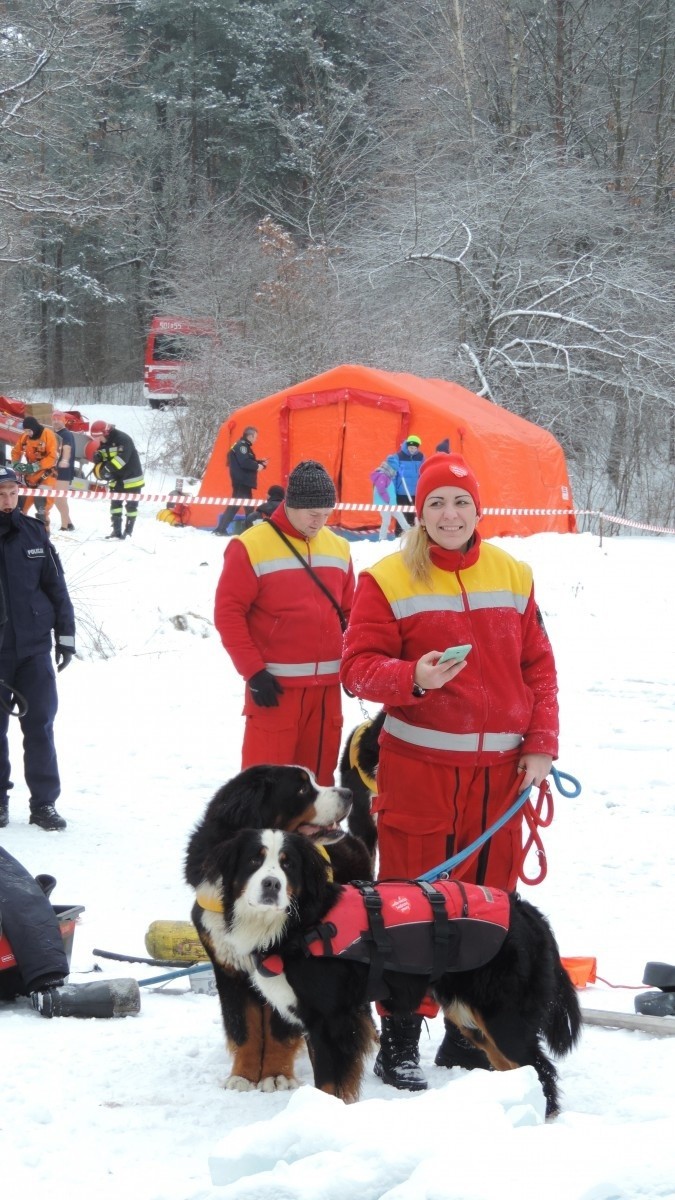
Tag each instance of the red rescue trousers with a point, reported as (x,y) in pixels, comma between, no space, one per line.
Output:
(427,812)
(305,731)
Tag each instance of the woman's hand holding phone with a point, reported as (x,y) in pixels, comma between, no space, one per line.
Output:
(434,669)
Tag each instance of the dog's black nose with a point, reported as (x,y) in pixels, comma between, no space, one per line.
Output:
(269,889)
(344,794)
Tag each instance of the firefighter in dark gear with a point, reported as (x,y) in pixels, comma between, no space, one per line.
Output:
(40,449)
(117,462)
(34,601)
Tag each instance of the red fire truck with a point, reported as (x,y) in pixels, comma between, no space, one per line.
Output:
(171,343)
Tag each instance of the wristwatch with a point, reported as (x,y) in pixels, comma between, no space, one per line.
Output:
(418,691)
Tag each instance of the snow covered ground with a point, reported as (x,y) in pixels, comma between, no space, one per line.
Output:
(150,725)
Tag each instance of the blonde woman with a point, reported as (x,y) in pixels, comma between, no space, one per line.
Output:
(460,734)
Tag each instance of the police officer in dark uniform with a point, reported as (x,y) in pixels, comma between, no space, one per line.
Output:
(243,467)
(34,601)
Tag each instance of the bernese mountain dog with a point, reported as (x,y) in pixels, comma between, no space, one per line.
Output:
(489,958)
(358,772)
(262,1043)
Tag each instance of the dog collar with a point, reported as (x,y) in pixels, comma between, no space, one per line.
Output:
(208,903)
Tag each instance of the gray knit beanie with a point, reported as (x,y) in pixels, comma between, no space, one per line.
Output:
(310,486)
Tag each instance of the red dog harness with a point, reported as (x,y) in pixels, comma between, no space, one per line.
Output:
(413,927)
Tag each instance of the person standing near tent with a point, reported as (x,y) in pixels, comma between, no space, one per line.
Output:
(282,602)
(461,738)
(384,492)
(409,461)
(243,467)
(65,468)
(117,460)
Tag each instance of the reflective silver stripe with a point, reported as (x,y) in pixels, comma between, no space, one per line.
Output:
(497,600)
(309,668)
(64,639)
(410,606)
(329,560)
(270,565)
(434,739)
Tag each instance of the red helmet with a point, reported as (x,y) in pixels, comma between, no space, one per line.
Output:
(100,429)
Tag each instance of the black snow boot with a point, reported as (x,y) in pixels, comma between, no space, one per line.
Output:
(116,526)
(129,527)
(457,1051)
(398,1061)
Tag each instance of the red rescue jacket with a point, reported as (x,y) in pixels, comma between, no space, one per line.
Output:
(271,614)
(502,704)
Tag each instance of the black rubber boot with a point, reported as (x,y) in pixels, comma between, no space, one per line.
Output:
(398,1061)
(129,527)
(47,883)
(116,526)
(457,1051)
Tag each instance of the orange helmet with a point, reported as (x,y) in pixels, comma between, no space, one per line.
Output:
(90,450)
(100,429)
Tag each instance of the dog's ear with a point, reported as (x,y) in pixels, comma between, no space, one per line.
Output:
(223,858)
(316,890)
(242,798)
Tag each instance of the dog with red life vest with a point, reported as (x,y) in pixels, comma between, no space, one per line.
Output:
(263,1045)
(319,953)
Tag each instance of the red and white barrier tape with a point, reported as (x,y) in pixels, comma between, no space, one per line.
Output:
(224,501)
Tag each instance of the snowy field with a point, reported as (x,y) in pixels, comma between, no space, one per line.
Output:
(149,726)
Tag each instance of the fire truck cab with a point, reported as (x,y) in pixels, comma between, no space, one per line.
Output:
(171,342)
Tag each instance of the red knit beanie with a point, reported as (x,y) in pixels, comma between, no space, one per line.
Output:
(445,470)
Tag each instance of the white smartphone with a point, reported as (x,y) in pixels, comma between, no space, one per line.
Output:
(454,654)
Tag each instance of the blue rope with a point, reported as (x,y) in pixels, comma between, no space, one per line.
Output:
(194,970)
(518,803)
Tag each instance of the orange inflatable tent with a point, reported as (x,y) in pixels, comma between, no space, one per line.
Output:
(352,417)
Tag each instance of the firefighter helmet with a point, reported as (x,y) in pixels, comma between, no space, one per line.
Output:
(100,429)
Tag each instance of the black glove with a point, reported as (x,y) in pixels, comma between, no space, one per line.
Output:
(265,689)
(63,655)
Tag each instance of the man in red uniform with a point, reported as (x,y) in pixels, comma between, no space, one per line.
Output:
(282,601)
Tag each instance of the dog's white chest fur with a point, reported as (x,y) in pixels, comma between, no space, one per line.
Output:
(278,993)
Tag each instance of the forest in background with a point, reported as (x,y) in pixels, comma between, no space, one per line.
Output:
(480,191)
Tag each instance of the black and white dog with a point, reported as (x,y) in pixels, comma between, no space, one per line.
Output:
(262,1043)
(490,960)
(358,772)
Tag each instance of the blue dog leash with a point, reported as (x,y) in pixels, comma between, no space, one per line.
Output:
(519,802)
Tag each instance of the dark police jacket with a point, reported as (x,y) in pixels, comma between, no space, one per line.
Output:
(35,594)
(243,465)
